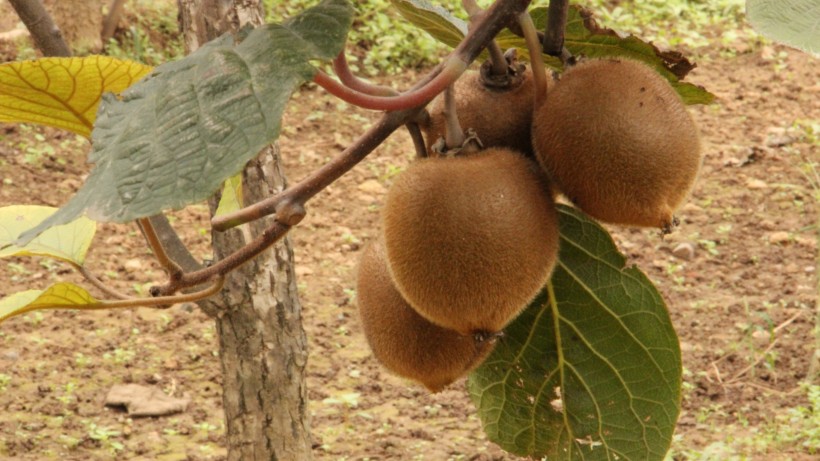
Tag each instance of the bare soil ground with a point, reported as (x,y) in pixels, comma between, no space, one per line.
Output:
(743,304)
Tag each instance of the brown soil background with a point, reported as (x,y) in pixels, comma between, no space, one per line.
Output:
(744,306)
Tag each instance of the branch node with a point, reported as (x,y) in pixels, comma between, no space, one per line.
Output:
(289,212)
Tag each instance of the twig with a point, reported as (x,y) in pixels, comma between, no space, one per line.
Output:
(174,248)
(752,365)
(495,18)
(499,64)
(554,34)
(717,373)
(342,71)
(786,322)
(765,388)
(556,22)
(173,269)
(418,139)
(92,279)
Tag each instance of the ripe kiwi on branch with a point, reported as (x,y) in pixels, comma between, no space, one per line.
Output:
(405,342)
(497,107)
(615,137)
(470,240)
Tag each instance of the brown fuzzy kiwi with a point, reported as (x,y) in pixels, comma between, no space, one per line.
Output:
(402,340)
(616,138)
(501,117)
(471,240)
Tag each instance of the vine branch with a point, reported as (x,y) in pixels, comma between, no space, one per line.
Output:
(172,268)
(452,69)
(418,139)
(342,70)
(553,43)
(499,63)
(289,205)
(495,18)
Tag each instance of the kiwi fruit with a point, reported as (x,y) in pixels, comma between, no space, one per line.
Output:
(500,115)
(617,140)
(470,240)
(402,340)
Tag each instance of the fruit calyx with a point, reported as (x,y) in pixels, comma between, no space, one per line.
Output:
(506,81)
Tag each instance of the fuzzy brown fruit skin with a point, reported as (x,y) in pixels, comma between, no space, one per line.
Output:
(471,240)
(616,138)
(500,118)
(402,340)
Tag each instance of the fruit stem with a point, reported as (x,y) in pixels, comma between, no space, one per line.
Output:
(342,70)
(539,74)
(453,134)
(499,64)
(418,139)
(553,43)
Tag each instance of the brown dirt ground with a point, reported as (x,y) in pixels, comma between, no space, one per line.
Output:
(744,305)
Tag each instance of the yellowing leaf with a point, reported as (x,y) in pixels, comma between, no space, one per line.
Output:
(63,92)
(58,296)
(68,242)
(231,199)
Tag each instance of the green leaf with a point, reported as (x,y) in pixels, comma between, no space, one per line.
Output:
(58,296)
(793,22)
(592,369)
(433,19)
(583,36)
(173,138)
(68,242)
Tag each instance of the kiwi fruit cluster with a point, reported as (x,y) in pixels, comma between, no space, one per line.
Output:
(468,239)
(467,242)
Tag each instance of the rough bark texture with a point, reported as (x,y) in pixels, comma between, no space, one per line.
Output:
(263,346)
(47,36)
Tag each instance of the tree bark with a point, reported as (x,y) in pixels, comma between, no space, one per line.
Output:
(47,36)
(263,347)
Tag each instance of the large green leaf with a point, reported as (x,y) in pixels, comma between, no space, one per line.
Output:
(174,137)
(61,295)
(592,369)
(69,242)
(583,37)
(793,22)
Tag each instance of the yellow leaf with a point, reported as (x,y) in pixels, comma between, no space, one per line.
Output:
(231,199)
(58,296)
(63,92)
(68,242)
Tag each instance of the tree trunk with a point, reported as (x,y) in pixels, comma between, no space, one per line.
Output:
(47,36)
(263,346)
